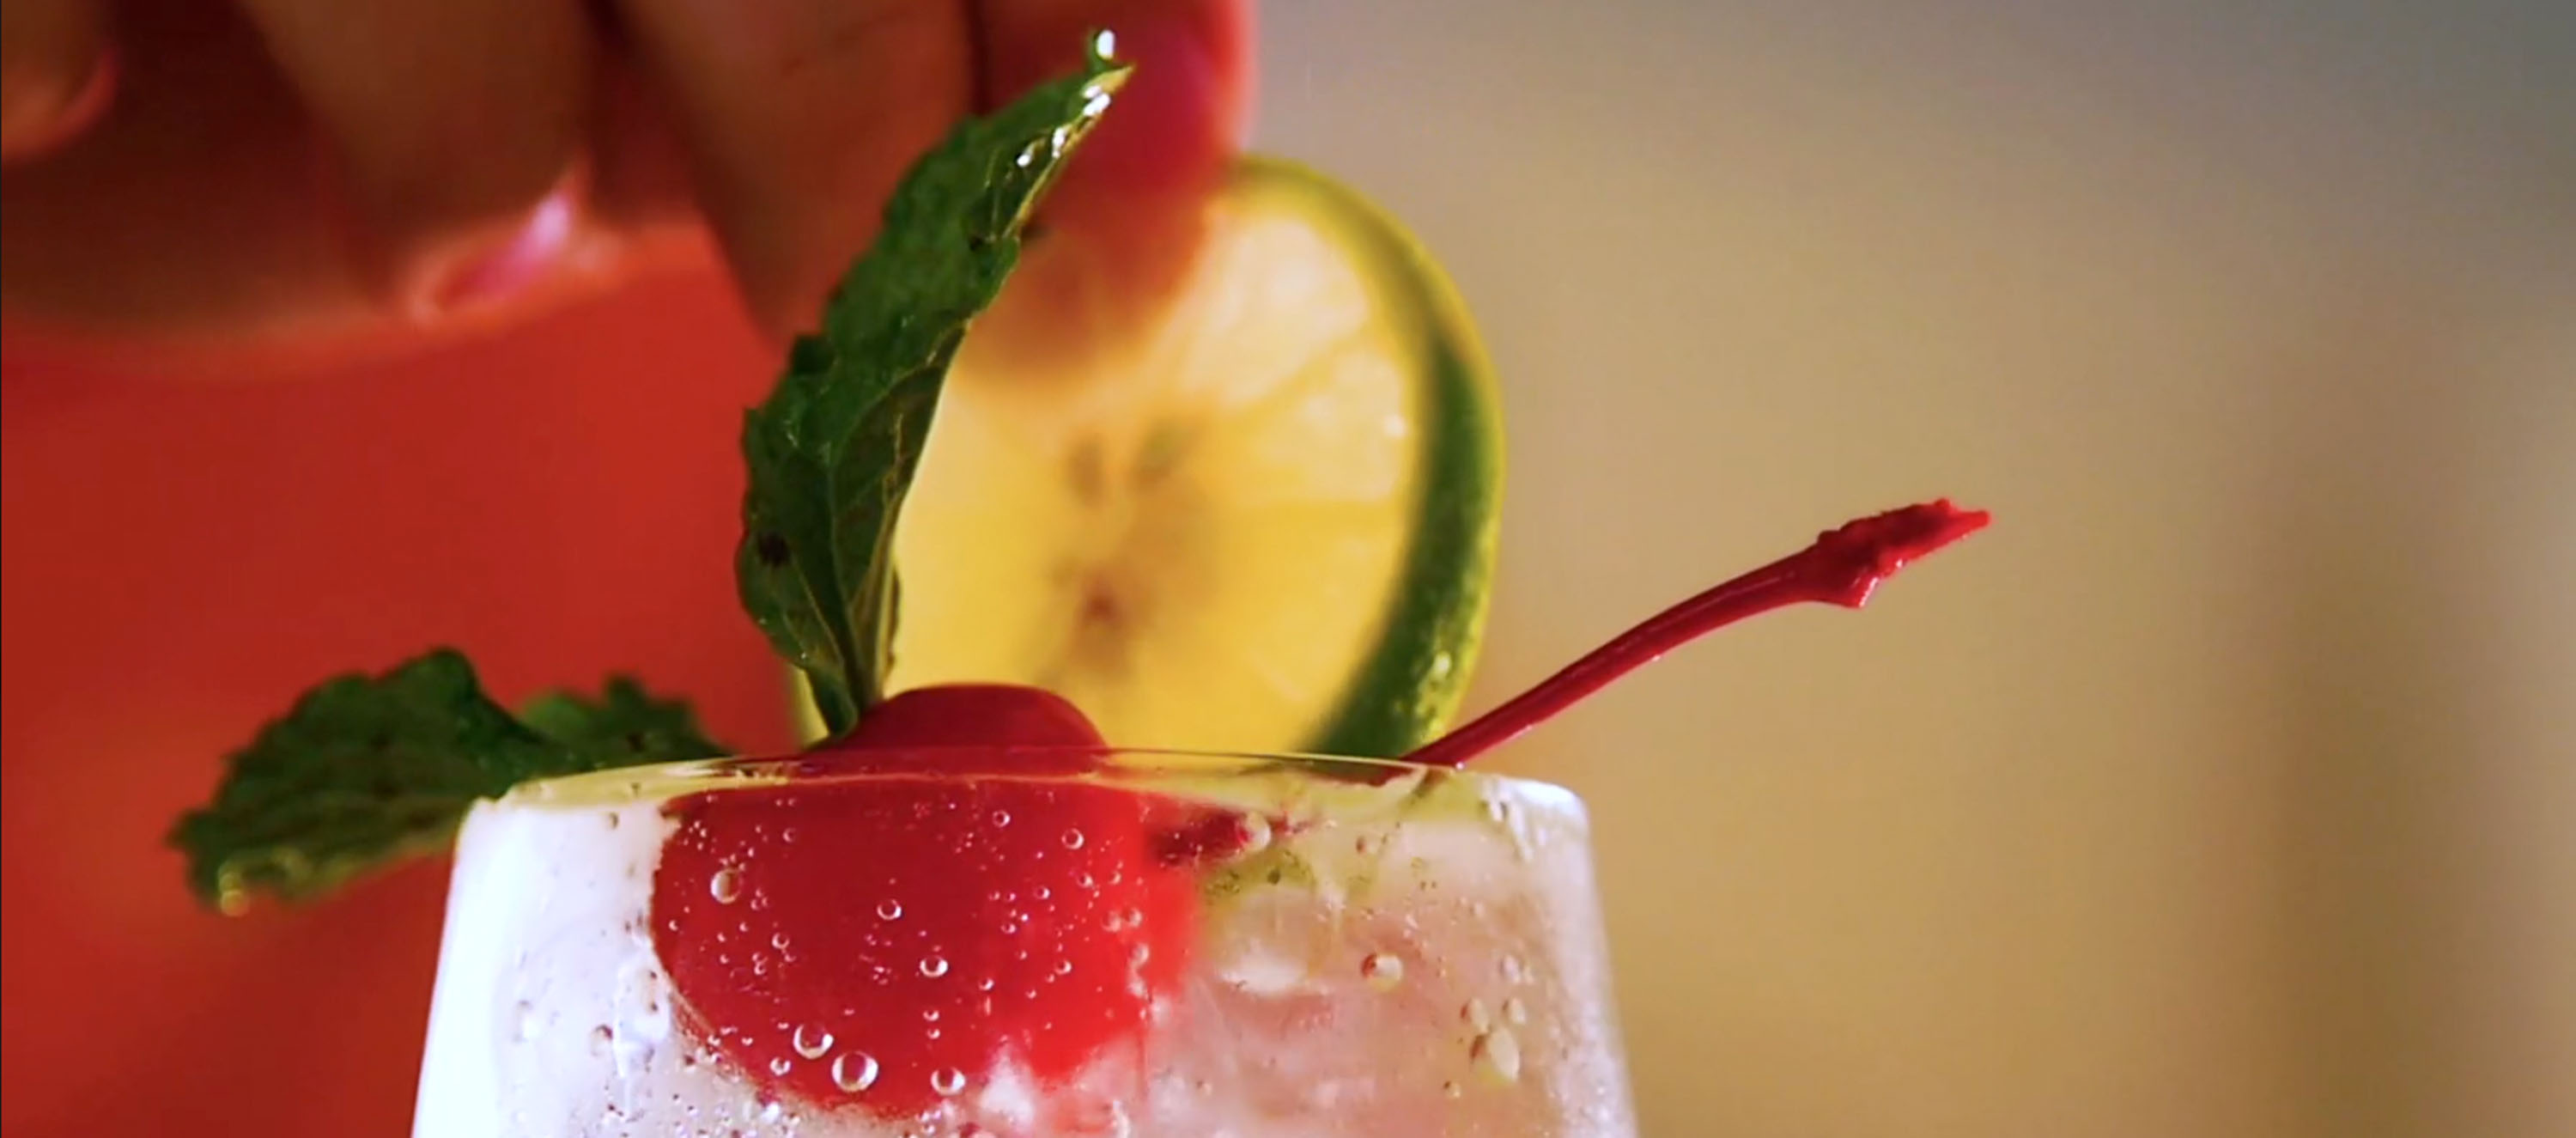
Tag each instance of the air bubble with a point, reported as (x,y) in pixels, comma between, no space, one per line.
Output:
(1515,1012)
(947,1081)
(934,966)
(726,885)
(1477,1015)
(600,1039)
(1497,1055)
(811,1041)
(1382,970)
(890,910)
(1064,967)
(854,1071)
(1001,818)
(1073,839)
(525,1018)
(781,1065)
(1256,835)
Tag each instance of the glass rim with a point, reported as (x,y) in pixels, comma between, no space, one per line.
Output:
(1111,765)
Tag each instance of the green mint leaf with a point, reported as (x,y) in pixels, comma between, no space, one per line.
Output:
(625,726)
(369,769)
(833,450)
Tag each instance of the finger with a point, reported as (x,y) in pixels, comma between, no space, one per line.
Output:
(638,168)
(799,116)
(55,75)
(453,123)
(1118,233)
(1178,119)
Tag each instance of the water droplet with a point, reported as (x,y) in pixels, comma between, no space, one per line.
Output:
(1367,844)
(890,910)
(854,1071)
(525,1019)
(600,1039)
(1477,1015)
(1515,970)
(1382,970)
(811,1041)
(1441,662)
(934,966)
(1452,1090)
(726,885)
(1001,818)
(947,1081)
(1073,839)
(1064,967)
(612,819)
(778,941)
(1497,1055)
(781,1065)
(1257,835)
(1515,1012)
(771,1108)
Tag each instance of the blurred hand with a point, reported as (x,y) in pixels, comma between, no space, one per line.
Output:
(269,173)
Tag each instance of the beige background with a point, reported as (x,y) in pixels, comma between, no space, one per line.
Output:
(2228,787)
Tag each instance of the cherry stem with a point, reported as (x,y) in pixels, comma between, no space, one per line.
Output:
(1842,568)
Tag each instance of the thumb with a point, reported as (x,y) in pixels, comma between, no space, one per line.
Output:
(1117,234)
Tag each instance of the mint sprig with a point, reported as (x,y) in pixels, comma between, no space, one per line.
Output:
(834,448)
(369,769)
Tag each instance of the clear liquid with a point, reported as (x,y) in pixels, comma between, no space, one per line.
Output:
(1427,961)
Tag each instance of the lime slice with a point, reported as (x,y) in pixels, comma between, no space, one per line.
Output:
(1264,523)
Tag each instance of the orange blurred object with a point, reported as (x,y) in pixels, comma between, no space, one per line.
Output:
(182,558)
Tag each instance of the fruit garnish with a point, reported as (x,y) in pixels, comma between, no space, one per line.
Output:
(1844,566)
(1262,520)
(894,942)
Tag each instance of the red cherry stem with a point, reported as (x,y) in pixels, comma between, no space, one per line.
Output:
(1842,568)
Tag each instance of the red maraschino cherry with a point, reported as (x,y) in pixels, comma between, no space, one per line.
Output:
(918,931)
(946,918)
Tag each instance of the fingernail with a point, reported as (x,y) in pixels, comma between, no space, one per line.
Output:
(479,274)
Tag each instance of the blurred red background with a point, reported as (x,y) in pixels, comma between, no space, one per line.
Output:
(184,556)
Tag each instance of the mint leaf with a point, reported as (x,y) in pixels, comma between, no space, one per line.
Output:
(834,448)
(368,769)
(625,726)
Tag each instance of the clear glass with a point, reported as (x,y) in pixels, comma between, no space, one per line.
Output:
(1358,948)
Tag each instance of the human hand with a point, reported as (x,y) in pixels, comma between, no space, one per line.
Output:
(278,173)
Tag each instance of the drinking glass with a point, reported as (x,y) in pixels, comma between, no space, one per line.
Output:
(1349,947)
